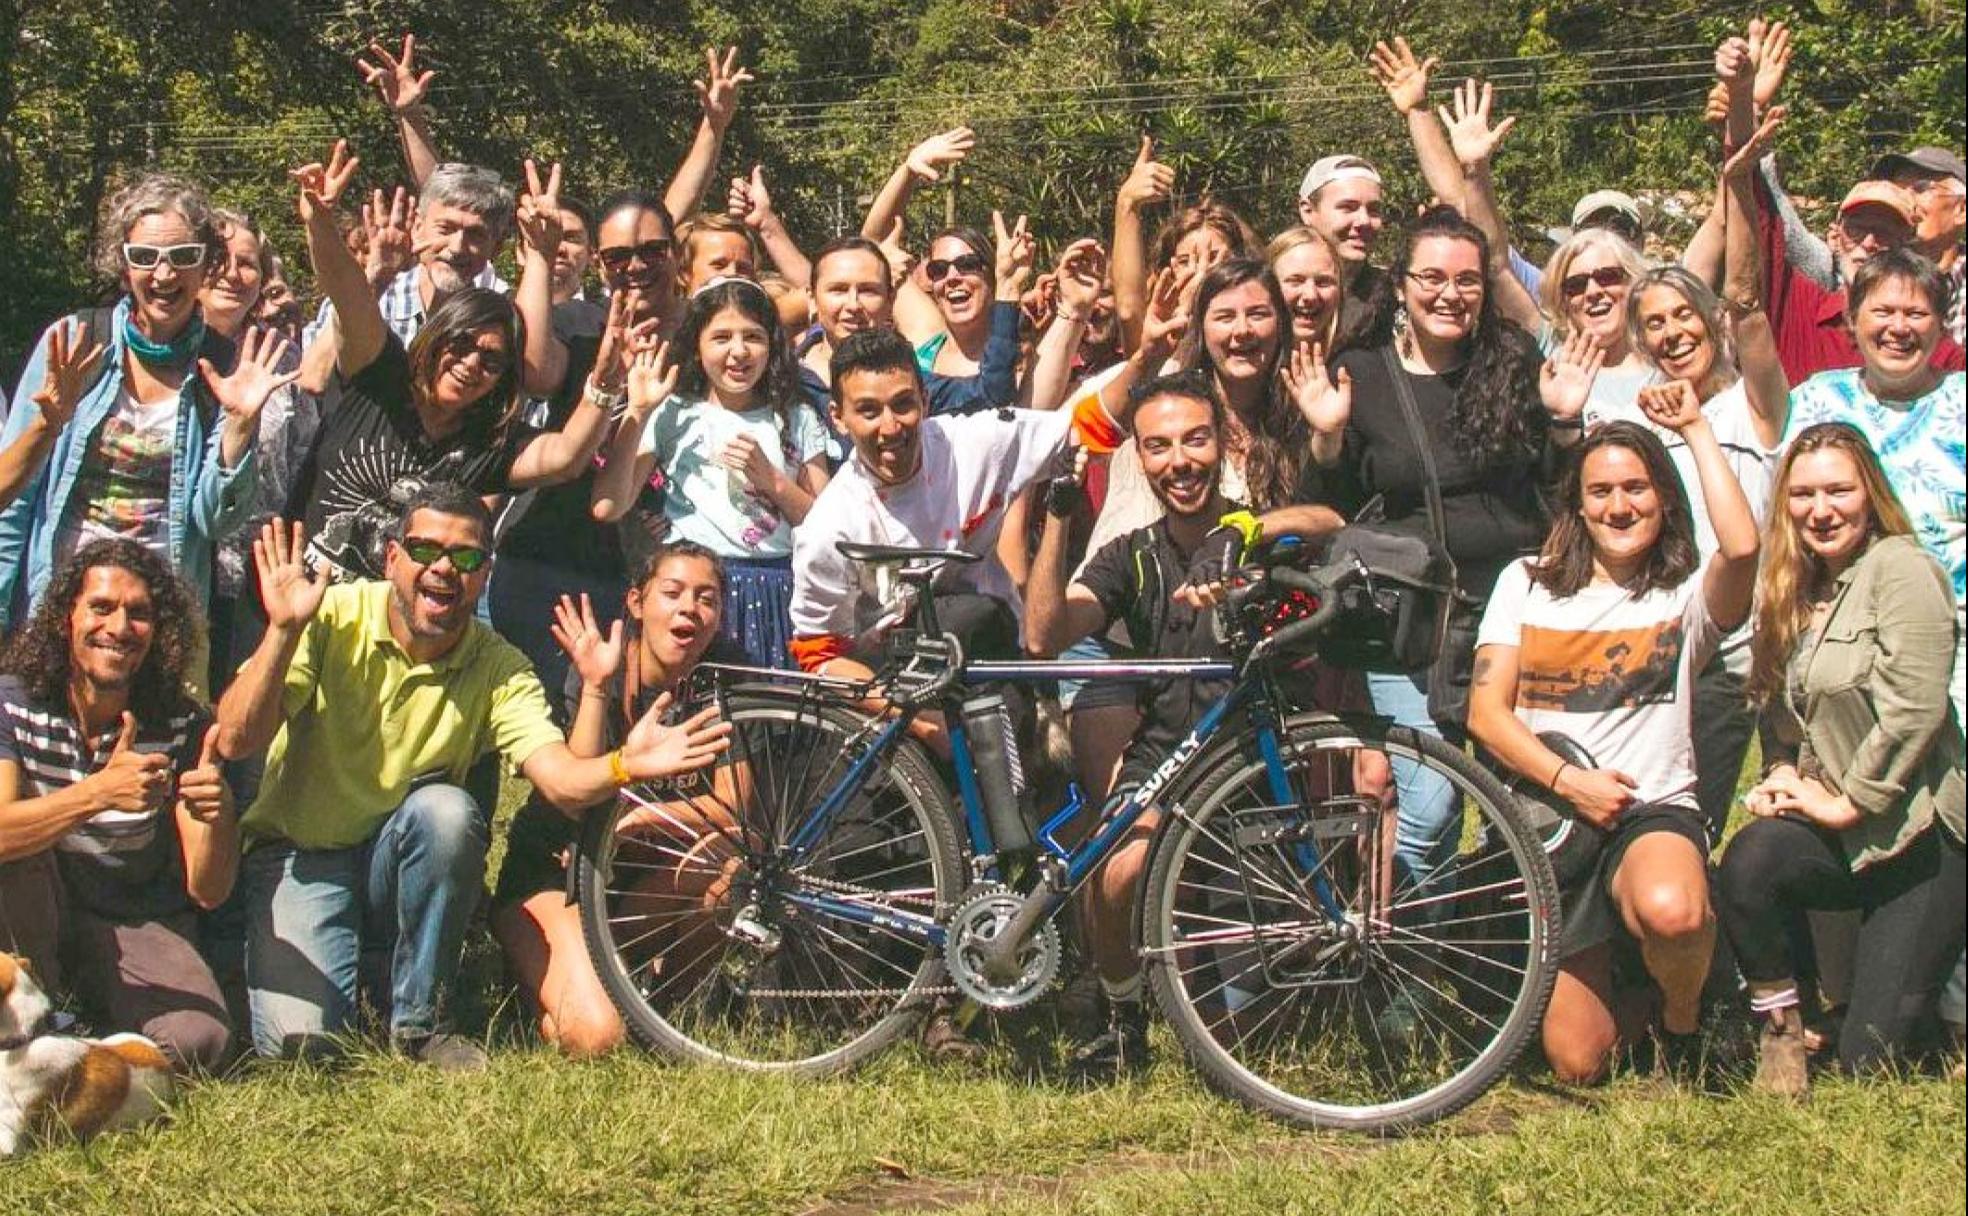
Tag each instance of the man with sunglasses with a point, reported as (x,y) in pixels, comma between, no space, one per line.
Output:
(376,698)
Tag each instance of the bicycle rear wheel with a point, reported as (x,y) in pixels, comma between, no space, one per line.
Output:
(718,941)
(1308,978)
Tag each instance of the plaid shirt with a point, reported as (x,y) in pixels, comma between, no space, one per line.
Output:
(402,304)
(1954,317)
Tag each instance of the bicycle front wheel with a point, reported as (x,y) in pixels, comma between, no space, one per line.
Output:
(1309,976)
(728,928)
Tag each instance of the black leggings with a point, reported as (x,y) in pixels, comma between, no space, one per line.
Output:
(1913,905)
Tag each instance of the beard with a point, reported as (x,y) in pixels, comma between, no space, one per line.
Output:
(447,278)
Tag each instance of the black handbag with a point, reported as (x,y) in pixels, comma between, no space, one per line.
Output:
(1394,619)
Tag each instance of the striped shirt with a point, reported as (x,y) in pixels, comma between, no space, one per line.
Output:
(120,864)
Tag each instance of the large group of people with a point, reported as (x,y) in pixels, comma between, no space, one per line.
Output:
(286,597)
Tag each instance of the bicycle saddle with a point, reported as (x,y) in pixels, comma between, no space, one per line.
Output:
(857,551)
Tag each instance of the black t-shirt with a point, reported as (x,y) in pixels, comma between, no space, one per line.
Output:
(121,865)
(1133,577)
(1491,510)
(372,454)
(557,528)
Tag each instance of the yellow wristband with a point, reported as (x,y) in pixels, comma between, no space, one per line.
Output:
(619,771)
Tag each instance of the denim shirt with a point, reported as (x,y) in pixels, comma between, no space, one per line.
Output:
(996,383)
(206,500)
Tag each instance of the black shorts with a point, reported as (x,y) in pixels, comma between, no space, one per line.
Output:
(537,842)
(1591,917)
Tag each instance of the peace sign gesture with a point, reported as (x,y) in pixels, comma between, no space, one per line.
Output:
(718,95)
(322,185)
(396,78)
(1015,253)
(71,360)
(1171,294)
(538,216)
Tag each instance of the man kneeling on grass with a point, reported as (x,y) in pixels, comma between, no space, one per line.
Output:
(377,697)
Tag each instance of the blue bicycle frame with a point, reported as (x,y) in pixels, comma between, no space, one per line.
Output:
(1079,862)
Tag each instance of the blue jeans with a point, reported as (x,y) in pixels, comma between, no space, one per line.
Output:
(410,890)
(1426,831)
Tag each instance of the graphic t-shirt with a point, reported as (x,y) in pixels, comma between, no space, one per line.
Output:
(125,865)
(1920,445)
(1613,673)
(712,505)
(123,490)
(373,455)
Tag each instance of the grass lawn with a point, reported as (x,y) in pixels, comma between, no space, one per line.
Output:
(537,1134)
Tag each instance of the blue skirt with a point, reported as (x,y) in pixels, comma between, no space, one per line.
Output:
(757,617)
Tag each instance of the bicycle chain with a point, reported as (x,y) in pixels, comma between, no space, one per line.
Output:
(813,994)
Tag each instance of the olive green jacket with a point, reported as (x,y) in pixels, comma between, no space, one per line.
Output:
(1878,726)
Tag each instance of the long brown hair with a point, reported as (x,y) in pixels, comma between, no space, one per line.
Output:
(467,312)
(1565,566)
(1791,573)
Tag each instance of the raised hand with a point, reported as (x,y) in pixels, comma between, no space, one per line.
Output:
(1148,180)
(655,752)
(130,780)
(1081,275)
(72,358)
(750,202)
(617,348)
(1673,406)
(1565,380)
(1600,794)
(1743,160)
(1403,76)
(928,159)
(1015,252)
(1472,137)
(1171,293)
(1732,64)
(652,378)
(202,791)
(395,77)
(256,376)
(389,226)
(900,261)
(1769,50)
(595,654)
(289,594)
(538,217)
(718,92)
(1326,403)
(322,184)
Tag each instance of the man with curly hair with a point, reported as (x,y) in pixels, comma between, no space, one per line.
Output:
(116,826)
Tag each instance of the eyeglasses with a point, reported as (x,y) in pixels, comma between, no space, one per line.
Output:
(1608,277)
(181,257)
(1434,282)
(618,257)
(464,346)
(465,559)
(972,264)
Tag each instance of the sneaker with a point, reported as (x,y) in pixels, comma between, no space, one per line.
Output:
(445,1052)
(945,1041)
(1120,1049)
(1783,1063)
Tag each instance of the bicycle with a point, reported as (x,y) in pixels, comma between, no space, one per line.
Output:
(799,909)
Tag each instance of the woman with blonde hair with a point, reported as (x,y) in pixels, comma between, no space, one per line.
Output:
(1861,804)
(1307,266)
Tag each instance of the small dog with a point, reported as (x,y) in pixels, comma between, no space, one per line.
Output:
(52,1083)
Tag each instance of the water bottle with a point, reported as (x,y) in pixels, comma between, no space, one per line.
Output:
(1000,778)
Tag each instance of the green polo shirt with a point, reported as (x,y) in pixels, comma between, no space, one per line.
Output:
(363,721)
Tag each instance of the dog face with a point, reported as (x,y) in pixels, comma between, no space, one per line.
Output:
(23,1006)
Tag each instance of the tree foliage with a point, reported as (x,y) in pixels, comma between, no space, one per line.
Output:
(1239,94)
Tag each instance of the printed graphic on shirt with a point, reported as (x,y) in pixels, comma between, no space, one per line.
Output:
(362,495)
(1591,672)
(126,484)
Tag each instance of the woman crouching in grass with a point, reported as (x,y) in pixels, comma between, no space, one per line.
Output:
(1599,638)
(611,683)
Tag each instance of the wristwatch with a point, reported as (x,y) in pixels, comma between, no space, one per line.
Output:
(600,398)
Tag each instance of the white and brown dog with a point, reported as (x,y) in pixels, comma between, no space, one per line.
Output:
(52,1083)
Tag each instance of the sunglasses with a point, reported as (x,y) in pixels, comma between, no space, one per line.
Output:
(465,559)
(972,264)
(181,257)
(464,346)
(1608,277)
(617,258)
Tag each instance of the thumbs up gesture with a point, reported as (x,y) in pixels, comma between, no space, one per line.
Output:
(202,791)
(131,780)
(1148,180)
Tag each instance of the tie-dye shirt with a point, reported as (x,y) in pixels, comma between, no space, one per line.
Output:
(1920,445)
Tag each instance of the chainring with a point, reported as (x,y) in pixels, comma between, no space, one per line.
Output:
(983,913)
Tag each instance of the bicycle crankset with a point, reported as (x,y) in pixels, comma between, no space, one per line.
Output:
(985,912)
